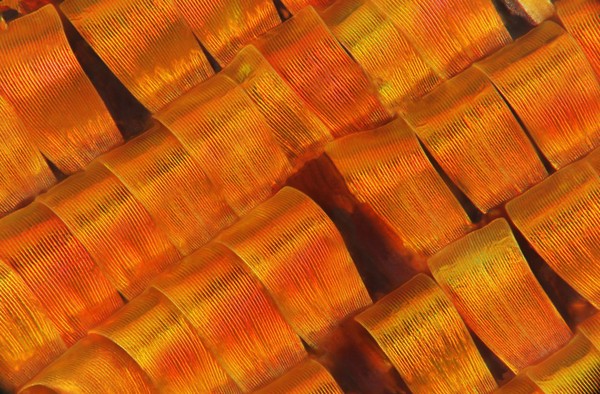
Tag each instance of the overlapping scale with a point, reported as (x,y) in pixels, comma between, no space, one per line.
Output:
(560,218)
(229,318)
(450,34)
(574,369)
(487,278)
(92,365)
(580,19)
(171,185)
(224,27)
(547,80)
(297,253)
(233,315)
(471,132)
(309,377)
(115,229)
(145,43)
(29,339)
(310,59)
(154,333)
(58,270)
(299,132)
(67,120)
(426,341)
(387,169)
(214,128)
(25,173)
(385,54)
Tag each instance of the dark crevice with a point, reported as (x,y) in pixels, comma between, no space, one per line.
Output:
(57,173)
(125,301)
(130,116)
(9,15)
(545,162)
(570,304)
(358,364)
(472,211)
(350,55)
(497,368)
(282,11)
(376,250)
(211,60)
(516,25)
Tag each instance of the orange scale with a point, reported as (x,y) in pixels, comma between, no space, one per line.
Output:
(159,338)
(171,185)
(66,117)
(473,135)
(233,315)
(24,173)
(580,18)
(310,59)
(547,80)
(155,54)
(560,218)
(308,377)
(115,229)
(29,339)
(451,34)
(425,339)
(224,27)
(92,365)
(58,270)
(226,133)
(394,66)
(387,170)
(298,130)
(491,285)
(297,253)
